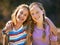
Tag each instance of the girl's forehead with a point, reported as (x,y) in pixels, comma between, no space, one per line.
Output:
(22,10)
(34,8)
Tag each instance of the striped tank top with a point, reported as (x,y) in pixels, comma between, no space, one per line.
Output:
(18,37)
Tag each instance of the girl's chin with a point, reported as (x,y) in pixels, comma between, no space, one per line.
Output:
(20,21)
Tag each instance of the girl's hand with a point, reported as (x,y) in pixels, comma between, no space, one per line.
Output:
(9,26)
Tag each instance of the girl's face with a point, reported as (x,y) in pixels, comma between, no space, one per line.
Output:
(36,13)
(22,15)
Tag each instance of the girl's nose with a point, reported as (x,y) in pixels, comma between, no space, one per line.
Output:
(21,15)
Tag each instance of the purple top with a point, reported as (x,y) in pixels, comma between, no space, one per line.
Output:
(37,36)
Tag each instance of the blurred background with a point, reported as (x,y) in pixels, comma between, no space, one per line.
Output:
(52,8)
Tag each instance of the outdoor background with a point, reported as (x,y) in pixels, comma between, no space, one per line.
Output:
(52,8)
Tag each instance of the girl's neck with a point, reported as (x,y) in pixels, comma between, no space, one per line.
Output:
(17,26)
(40,25)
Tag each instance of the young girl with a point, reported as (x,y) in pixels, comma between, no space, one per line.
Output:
(16,28)
(43,30)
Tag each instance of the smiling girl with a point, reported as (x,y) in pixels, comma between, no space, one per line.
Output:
(44,31)
(16,28)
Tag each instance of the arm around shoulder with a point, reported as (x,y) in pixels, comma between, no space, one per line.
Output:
(52,26)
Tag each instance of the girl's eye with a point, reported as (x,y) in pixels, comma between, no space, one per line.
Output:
(21,12)
(32,13)
(24,14)
(37,12)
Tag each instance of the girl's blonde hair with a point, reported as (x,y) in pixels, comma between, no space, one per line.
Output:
(13,17)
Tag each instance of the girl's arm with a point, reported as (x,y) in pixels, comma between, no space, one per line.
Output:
(3,39)
(53,31)
(53,28)
(5,32)
(8,27)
